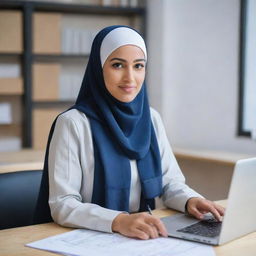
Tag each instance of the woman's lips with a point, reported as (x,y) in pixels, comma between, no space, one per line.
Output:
(127,88)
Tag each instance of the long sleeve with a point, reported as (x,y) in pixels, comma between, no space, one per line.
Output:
(176,192)
(70,194)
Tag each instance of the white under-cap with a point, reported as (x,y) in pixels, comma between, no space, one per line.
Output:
(119,37)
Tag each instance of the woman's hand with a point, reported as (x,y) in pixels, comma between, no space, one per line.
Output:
(198,207)
(139,225)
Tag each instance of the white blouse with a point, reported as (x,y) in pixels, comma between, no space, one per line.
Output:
(71,173)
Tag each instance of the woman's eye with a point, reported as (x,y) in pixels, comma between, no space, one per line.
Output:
(117,65)
(139,66)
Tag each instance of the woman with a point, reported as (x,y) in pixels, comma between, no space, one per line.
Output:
(108,157)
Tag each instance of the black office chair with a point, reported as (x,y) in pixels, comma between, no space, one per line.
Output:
(18,198)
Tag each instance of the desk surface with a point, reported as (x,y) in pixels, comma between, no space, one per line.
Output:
(221,157)
(26,159)
(12,240)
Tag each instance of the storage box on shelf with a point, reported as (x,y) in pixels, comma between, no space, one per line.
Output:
(11,86)
(42,120)
(46,33)
(45,81)
(11,31)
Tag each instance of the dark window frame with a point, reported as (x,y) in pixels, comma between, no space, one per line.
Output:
(242,58)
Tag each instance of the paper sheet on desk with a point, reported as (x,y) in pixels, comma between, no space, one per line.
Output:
(86,242)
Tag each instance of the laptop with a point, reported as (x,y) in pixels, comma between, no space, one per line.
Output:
(239,216)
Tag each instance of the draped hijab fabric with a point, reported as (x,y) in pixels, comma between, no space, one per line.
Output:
(121,132)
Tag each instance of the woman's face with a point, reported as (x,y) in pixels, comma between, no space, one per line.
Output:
(124,72)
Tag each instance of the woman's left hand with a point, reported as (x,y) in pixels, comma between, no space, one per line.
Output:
(199,206)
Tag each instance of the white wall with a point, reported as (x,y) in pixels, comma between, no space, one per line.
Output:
(193,72)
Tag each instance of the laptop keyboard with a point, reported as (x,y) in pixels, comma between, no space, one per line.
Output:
(208,228)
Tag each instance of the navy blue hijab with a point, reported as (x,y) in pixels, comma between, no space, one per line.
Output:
(121,132)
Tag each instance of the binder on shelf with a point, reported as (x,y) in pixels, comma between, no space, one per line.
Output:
(10,143)
(65,40)
(124,3)
(46,81)
(42,121)
(87,2)
(11,86)
(76,38)
(11,40)
(85,41)
(71,77)
(46,33)
(69,86)
(134,3)
(76,41)
(106,2)
(9,69)
(6,113)
(10,136)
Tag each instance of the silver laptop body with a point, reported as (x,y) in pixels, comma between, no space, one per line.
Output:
(240,212)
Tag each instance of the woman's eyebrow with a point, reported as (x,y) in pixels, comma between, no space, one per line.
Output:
(139,60)
(119,59)
(123,60)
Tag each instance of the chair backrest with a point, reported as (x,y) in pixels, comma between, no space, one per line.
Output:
(18,198)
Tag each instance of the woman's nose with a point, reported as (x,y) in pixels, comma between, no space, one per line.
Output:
(128,75)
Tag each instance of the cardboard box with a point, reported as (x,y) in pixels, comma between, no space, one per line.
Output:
(11,86)
(42,121)
(46,33)
(46,81)
(11,130)
(11,30)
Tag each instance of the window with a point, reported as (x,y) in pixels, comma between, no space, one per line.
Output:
(247,95)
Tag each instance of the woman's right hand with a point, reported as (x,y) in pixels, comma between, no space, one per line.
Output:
(139,225)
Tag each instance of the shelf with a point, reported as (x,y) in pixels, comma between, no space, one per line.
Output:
(11,55)
(74,8)
(56,57)
(87,9)
(14,5)
(54,104)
